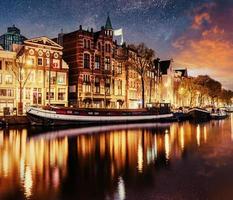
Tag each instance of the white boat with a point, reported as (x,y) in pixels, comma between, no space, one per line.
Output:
(219,114)
(65,116)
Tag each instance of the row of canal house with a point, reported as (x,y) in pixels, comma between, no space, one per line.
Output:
(86,69)
(100,74)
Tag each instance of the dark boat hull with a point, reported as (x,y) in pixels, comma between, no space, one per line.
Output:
(199,114)
(46,117)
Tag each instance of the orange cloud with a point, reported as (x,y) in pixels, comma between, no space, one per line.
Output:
(208,49)
(200,19)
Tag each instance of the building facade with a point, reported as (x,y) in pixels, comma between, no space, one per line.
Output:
(90,58)
(12,36)
(7,81)
(44,74)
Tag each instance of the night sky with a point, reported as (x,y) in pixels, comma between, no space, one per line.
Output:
(197,34)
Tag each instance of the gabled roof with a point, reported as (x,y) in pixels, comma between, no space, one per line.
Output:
(45,41)
(183,72)
(108,24)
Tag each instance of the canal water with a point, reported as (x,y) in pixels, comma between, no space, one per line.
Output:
(138,161)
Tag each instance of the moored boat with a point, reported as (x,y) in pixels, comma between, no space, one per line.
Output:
(199,114)
(65,116)
(219,114)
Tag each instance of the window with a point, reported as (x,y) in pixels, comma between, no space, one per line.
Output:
(85,43)
(61,78)
(107,65)
(37,95)
(8,79)
(119,69)
(32,76)
(86,88)
(97,89)
(56,63)
(7,92)
(107,90)
(107,81)
(97,80)
(30,61)
(61,93)
(27,93)
(52,77)
(86,78)
(108,48)
(0,65)
(119,87)
(88,44)
(97,62)
(51,94)
(9,65)
(47,62)
(40,61)
(39,76)
(86,60)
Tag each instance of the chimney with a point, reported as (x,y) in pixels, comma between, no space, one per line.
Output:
(80,27)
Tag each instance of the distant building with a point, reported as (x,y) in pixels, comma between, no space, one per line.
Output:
(12,36)
(166,81)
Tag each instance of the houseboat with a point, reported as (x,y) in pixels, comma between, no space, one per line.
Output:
(51,115)
(199,114)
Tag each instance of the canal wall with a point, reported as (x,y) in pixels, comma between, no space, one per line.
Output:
(14,120)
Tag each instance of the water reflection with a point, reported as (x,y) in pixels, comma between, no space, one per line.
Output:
(102,165)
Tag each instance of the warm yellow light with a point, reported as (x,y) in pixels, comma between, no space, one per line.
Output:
(29,62)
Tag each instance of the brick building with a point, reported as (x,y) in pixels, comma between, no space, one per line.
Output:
(100,74)
(96,79)
(39,58)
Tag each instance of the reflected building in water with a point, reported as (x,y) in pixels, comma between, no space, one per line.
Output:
(99,165)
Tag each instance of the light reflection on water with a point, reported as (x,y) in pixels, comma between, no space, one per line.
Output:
(109,164)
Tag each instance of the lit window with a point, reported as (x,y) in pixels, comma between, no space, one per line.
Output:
(61,93)
(61,78)
(47,62)
(107,65)
(8,79)
(97,62)
(51,94)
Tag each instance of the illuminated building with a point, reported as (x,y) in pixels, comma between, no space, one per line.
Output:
(42,58)
(7,81)
(99,74)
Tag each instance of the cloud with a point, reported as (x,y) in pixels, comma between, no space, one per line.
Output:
(207,45)
(200,20)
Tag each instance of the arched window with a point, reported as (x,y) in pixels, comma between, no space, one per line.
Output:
(86,60)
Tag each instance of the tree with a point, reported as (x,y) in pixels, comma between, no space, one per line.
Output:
(141,59)
(226,96)
(22,73)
